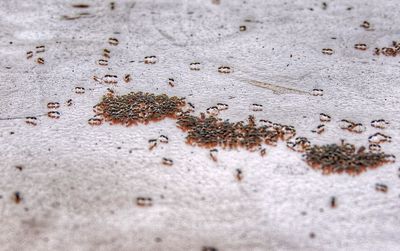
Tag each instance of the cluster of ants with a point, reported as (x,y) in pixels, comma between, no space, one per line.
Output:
(39,49)
(52,113)
(390,51)
(136,107)
(335,158)
(209,131)
(345,157)
(386,51)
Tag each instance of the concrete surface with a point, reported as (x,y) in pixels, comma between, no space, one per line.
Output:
(79,183)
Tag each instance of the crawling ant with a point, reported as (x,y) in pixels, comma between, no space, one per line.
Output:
(351,126)
(163,139)
(222,107)
(98,109)
(95,121)
(110,92)
(390,158)
(365,25)
(378,138)
(29,54)
(110,79)
(127,78)
(300,144)
(152,144)
(379,123)
(374,148)
(53,105)
(40,49)
(388,51)
(288,132)
(239,175)
(53,114)
(102,62)
(213,154)
(320,129)
(361,47)
(266,123)
(106,53)
(381,187)
(79,90)
(358,128)
(112,5)
(327,51)
(195,66)
(317,92)
(213,110)
(171,82)
(113,41)
(40,60)
(263,152)
(256,107)
(224,69)
(324,117)
(97,79)
(150,59)
(144,201)
(31,121)
(345,124)
(167,162)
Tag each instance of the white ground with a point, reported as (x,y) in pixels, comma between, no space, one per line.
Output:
(79,188)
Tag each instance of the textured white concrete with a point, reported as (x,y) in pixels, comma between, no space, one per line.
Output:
(79,183)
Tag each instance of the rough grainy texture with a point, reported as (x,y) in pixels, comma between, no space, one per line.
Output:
(66,185)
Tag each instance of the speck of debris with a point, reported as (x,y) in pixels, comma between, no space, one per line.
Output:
(83,6)
(208,248)
(239,174)
(17,198)
(333,202)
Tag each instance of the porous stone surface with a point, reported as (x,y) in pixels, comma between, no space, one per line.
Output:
(79,183)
